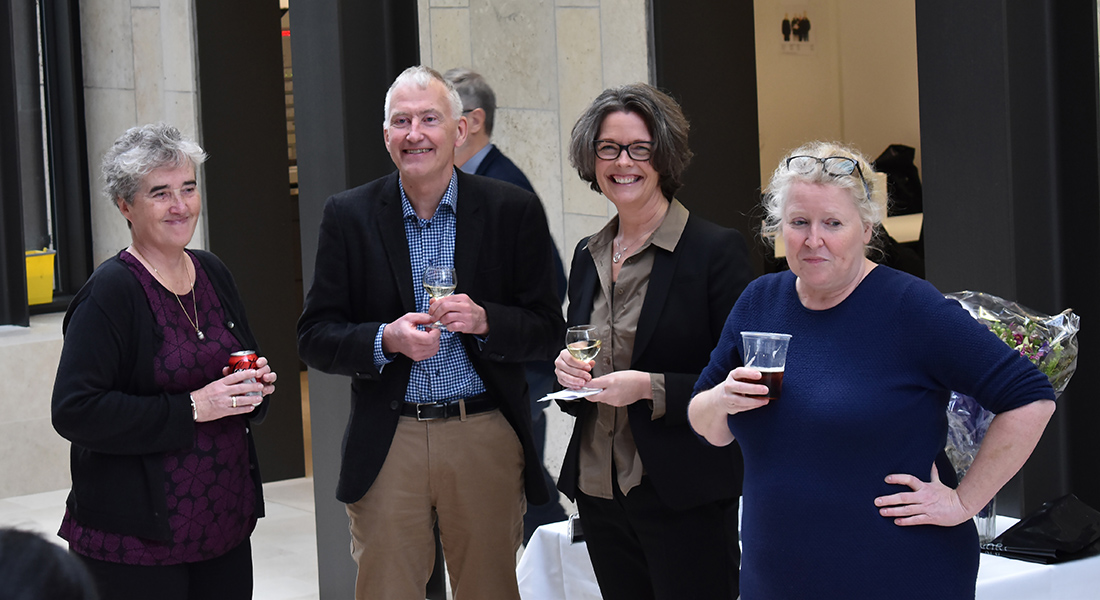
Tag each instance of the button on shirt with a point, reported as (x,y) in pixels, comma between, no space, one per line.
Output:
(449,374)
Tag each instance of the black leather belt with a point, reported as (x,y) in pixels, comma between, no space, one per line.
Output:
(427,411)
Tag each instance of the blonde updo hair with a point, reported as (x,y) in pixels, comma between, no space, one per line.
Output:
(871,201)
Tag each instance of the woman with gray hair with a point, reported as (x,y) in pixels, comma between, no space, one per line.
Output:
(165,488)
(848,491)
(658,508)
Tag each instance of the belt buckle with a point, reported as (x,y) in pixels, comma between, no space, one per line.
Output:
(420,406)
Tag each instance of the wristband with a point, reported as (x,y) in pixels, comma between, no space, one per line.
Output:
(194,410)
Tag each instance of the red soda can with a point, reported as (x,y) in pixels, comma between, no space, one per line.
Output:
(242,361)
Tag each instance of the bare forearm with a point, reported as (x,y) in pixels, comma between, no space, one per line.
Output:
(1011,438)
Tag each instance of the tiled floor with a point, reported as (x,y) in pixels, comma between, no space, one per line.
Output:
(284,548)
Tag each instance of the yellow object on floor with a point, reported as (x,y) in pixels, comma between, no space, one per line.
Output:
(40,276)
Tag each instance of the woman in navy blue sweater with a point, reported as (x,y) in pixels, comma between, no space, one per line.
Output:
(848,492)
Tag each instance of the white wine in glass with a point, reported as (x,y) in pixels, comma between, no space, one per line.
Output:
(582,342)
(440,281)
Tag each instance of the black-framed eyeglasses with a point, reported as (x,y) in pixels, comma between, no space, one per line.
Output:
(837,166)
(609,150)
(467,111)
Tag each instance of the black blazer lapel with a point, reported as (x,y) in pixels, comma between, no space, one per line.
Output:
(660,282)
(391,229)
(589,284)
(470,235)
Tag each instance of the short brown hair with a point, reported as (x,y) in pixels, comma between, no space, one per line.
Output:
(663,117)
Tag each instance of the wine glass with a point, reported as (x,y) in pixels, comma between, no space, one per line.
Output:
(440,282)
(582,342)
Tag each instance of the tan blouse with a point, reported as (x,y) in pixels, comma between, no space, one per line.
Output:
(607,439)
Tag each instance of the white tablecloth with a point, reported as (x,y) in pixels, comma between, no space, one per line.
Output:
(552,568)
(1001,578)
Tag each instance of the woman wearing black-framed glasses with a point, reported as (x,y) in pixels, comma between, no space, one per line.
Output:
(848,492)
(658,508)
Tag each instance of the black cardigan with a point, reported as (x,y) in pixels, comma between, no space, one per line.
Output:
(105,373)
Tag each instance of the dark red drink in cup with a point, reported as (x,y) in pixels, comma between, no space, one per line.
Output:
(767,353)
(243,361)
(773,378)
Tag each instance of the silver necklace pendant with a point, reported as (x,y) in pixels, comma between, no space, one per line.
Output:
(615,257)
(202,336)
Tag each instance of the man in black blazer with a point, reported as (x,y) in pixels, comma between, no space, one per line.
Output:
(440,421)
(480,156)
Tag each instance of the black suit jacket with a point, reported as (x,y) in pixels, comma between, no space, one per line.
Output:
(363,279)
(498,166)
(691,292)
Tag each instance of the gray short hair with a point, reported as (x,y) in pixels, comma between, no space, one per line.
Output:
(475,93)
(870,201)
(662,116)
(140,151)
(422,76)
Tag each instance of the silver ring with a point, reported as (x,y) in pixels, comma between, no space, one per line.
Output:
(234,402)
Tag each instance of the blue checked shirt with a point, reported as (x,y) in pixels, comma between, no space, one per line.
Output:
(449,374)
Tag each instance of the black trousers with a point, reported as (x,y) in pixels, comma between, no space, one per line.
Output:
(227,577)
(642,549)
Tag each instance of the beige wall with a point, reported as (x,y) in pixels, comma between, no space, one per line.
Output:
(139,68)
(858,86)
(546,61)
(33,457)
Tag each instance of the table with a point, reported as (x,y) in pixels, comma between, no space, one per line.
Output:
(553,568)
(1001,578)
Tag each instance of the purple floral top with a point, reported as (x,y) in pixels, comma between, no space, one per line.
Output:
(211,499)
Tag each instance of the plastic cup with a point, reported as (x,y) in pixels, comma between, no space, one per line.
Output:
(767,353)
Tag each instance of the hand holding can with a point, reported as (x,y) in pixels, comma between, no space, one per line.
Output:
(243,361)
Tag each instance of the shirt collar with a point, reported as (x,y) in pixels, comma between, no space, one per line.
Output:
(475,161)
(450,198)
(666,236)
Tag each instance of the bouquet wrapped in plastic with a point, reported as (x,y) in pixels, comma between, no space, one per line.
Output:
(1050,342)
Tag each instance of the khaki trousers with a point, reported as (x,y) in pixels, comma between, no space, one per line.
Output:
(468,474)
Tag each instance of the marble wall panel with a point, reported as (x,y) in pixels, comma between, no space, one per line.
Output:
(449,3)
(178,45)
(580,80)
(108,113)
(578,227)
(450,38)
(514,48)
(36,458)
(148,59)
(424,17)
(578,196)
(625,38)
(145,3)
(530,139)
(575,3)
(106,44)
(180,111)
(27,371)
